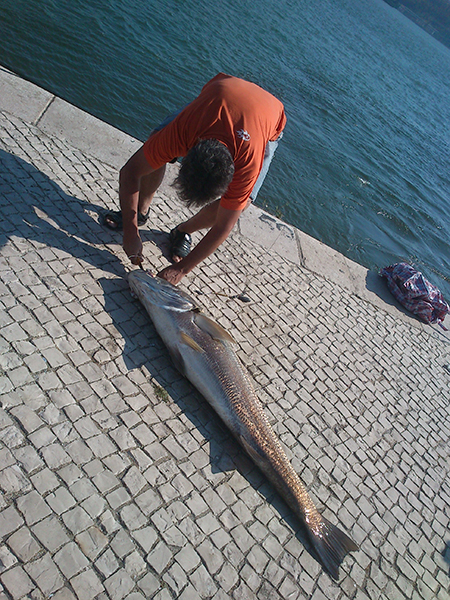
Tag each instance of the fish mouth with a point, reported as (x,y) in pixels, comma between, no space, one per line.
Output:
(159,292)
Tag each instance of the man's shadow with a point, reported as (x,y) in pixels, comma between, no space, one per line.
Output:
(36,209)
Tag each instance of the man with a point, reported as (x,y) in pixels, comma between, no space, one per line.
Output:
(227,137)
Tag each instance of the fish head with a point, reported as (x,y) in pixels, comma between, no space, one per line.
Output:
(157,292)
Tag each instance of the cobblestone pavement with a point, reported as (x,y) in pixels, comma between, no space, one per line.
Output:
(119,482)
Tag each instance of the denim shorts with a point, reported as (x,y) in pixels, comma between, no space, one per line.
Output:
(268,153)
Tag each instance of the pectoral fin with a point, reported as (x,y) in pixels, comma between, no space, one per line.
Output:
(254,454)
(216,331)
(186,339)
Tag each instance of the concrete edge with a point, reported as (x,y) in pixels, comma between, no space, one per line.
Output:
(59,118)
(91,135)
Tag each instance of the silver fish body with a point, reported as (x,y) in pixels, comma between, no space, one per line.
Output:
(204,352)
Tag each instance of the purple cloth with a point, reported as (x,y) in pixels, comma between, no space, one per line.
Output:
(416,293)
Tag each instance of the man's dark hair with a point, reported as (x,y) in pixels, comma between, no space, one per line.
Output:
(205,173)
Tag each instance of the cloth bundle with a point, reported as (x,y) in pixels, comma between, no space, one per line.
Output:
(416,293)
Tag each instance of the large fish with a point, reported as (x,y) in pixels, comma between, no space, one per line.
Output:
(203,352)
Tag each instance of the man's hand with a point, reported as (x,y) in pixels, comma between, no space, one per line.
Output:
(172,274)
(132,244)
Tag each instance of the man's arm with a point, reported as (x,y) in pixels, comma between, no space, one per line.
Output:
(225,221)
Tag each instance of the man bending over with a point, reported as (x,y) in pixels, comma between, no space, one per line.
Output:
(227,137)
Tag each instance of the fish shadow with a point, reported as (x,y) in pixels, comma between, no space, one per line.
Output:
(446,554)
(144,349)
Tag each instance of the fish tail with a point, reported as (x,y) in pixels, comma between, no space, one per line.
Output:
(331,544)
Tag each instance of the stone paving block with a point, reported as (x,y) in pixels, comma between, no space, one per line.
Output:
(24,545)
(63,594)
(134,480)
(79,452)
(132,517)
(70,560)
(203,583)
(27,417)
(145,537)
(55,456)
(176,579)
(101,446)
(13,480)
(12,436)
(94,505)
(17,582)
(187,558)
(50,533)
(119,585)
(118,498)
(135,565)
(107,564)
(149,585)
(118,463)
(108,522)
(87,585)
(123,438)
(10,520)
(122,544)
(77,520)
(82,488)
(33,507)
(46,575)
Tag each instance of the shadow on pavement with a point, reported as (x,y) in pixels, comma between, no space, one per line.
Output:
(35,208)
(446,554)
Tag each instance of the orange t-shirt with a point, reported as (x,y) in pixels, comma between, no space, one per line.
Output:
(236,112)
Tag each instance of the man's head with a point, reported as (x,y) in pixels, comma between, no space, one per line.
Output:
(205,173)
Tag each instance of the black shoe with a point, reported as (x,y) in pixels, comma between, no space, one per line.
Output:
(113,219)
(180,243)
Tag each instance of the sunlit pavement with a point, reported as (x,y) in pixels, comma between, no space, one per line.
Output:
(118,480)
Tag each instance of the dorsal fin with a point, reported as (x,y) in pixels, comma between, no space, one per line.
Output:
(216,331)
(190,342)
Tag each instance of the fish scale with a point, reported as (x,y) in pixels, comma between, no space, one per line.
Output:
(251,418)
(204,352)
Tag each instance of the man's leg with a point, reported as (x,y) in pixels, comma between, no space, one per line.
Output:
(147,188)
(268,156)
(204,219)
